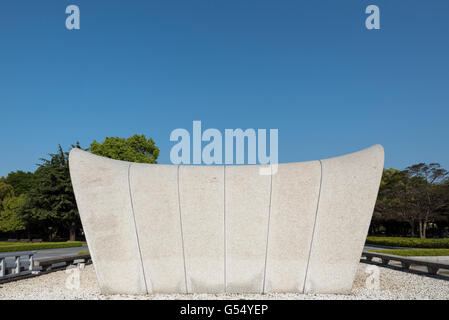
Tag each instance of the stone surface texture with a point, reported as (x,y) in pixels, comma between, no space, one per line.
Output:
(161,229)
(201,191)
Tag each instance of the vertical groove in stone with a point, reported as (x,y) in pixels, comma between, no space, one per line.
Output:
(268,229)
(182,234)
(314,224)
(224,224)
(135,226)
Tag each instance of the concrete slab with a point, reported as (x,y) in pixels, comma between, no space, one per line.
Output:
(154,191)
(201,191)
(348,194)
(103,197)
(296,188)
(247,212)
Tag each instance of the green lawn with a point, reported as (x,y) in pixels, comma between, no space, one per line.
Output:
(83,252)
(415,252)
(409,242)
(26,246)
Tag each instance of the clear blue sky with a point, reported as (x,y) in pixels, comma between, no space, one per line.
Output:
(308,68)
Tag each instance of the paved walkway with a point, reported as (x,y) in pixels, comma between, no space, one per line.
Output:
(378,247)
(48,253)
(437,259)
(60,252)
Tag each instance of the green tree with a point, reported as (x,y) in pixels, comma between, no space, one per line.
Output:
(134,149)
(6,191)
(21,181)
(394,202)
(51,201)
(418,195)
(10,219)
(428,192)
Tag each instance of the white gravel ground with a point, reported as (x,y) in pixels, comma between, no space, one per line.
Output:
(393,285)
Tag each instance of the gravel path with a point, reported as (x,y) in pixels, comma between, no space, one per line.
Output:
(393,285)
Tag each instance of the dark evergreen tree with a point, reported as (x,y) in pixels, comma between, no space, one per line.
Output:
(51,201)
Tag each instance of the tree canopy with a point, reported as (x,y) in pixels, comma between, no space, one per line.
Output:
(21,181)
(9,208)
(134,149)
(418,196)
(10,219)
(6,191)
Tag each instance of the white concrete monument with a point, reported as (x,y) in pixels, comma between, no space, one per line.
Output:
(155,228)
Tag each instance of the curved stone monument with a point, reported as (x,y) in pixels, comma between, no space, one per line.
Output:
(154,228)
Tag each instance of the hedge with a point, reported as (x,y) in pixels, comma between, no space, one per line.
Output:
(16,246)
(415,252)
(409,242)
